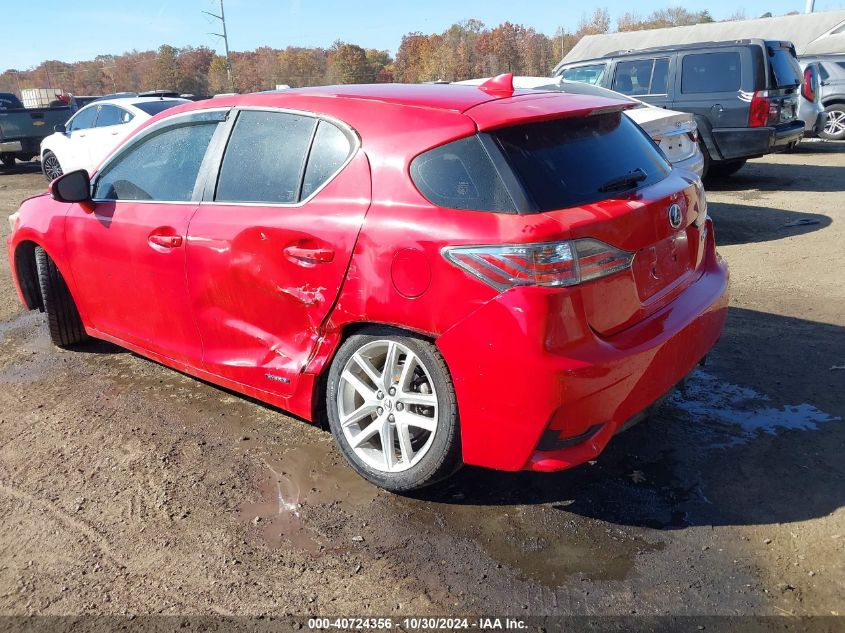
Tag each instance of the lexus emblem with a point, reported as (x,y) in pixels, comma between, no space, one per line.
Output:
(675,216)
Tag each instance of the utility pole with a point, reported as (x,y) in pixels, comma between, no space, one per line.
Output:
(222,18)
(809,5)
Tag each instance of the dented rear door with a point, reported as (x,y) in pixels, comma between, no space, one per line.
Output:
(267,255)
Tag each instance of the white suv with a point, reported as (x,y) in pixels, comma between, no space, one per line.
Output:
(95,130)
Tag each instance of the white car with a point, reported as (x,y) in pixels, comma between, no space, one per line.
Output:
(95,130)
(675,132)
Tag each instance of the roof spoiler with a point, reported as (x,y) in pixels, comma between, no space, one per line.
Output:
(499,86)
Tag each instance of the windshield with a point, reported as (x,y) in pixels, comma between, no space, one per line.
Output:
(154,107)
(575,161)
(784,66)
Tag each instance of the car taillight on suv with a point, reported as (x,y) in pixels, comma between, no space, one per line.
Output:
(807,87)
(771,109)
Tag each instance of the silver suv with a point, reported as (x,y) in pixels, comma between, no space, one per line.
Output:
(832,88)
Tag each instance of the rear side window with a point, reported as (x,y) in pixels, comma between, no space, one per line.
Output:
(329,151)
(785,70)
(163,166)
(112,115)
(711,72)
(592,74)
(265,158)
(574,161)
(642,77)
(460,175)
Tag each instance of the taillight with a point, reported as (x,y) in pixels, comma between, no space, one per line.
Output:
(807,87)
(552,264)
(759,114)
(701,218)
(693,135)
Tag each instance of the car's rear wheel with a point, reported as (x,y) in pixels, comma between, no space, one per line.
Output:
(726,168)
(50,166)
(392,410)
(63,320)
(834,128)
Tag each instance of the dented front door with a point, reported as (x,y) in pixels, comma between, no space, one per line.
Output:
(262,279)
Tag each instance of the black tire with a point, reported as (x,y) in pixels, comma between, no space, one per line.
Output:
(8,160)
(726,168)
(836,110)
(50,166)
(443,457)
(63,320)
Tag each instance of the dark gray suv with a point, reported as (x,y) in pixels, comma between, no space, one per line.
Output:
(743,93)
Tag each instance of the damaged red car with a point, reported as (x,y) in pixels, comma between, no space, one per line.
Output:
(449,274)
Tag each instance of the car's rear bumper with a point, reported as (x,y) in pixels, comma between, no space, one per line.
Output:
(749,142)
(529,371)
(821,121)
(10,147)
(694,163)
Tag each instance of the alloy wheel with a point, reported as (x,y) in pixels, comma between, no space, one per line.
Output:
(835,122)
(387,406)
(52,169)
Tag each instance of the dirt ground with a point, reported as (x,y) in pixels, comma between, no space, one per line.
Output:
(128,488)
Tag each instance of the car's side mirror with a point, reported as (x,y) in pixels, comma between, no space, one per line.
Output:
(74,186)
(60,128)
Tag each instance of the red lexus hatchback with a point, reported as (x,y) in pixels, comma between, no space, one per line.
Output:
(452,274)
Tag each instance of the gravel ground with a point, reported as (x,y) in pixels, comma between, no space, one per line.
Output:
(128,488)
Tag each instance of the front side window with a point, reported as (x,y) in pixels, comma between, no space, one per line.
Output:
(592,74)
(83,120)
(265,158)
(711,72)
(642,77)
(163,166)
(460,175)
(575,161)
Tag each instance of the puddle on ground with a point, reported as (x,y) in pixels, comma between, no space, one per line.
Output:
(277,521)
(308,475)
(706,396)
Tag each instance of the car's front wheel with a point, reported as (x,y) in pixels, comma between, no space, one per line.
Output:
(834,128)
(63,320)
(392,410)
(50,166)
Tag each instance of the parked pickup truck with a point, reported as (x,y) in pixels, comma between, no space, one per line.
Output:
(21,129)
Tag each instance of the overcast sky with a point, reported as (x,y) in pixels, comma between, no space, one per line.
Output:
(73,31)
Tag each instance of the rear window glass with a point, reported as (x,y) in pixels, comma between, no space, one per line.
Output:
(460,175)
(711,72)
(785,69)
(566,163)
(154,107)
